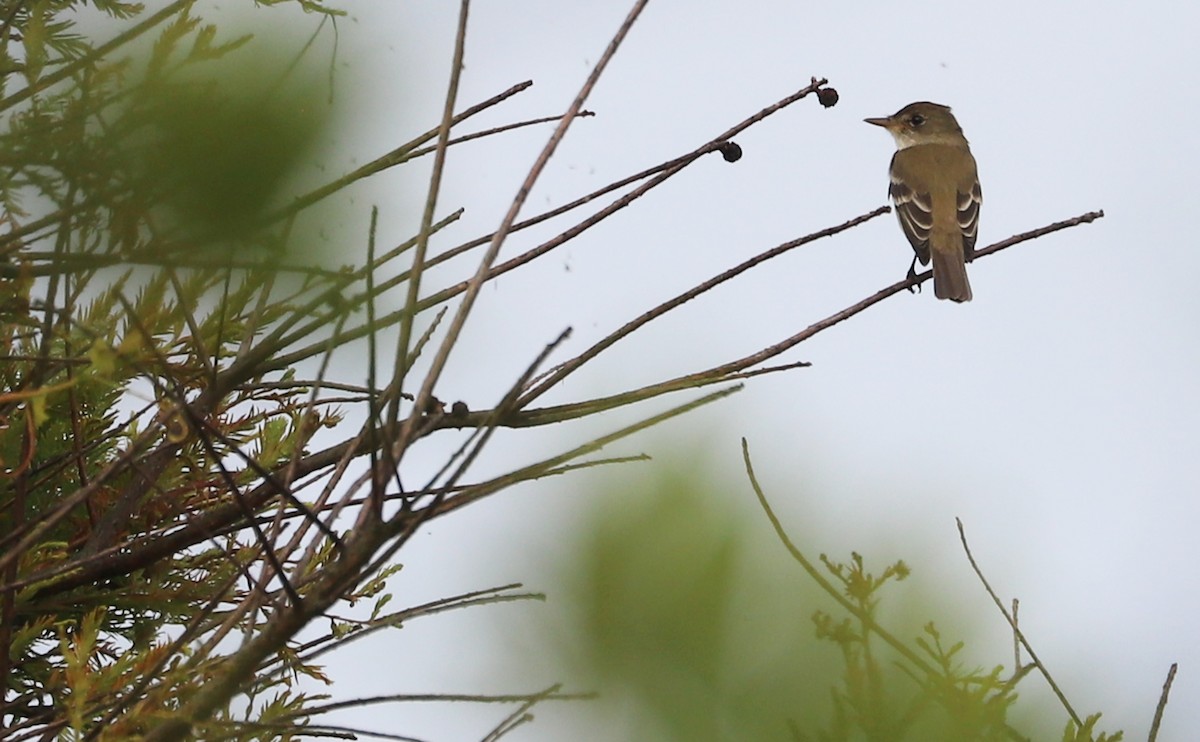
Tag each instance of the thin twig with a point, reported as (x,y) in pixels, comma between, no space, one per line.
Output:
(485,264)
(313,650)
(630,327)
(372,432)
(1162,702)
(304,730)
(827,586)
(520,715)
(1087,218)
(445,697)
(435,186)
(496,130)
(397,156)
(1016,630)
(673,165)
(1016,607)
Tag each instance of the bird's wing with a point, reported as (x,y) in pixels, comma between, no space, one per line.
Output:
(915,211)
(968,216)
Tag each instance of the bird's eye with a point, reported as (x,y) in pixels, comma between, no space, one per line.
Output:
(917,120)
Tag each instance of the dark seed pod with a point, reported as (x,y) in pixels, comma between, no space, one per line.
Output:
(731,151)
(828,97)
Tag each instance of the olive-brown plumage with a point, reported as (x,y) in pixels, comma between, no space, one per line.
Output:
(935,189)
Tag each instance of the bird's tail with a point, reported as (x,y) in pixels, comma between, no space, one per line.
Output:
(950,272)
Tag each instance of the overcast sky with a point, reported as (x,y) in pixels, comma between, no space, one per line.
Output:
(1056,414)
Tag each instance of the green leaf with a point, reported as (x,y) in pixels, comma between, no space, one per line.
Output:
(34,36)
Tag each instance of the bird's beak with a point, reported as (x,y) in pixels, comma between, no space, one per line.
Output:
(884,122)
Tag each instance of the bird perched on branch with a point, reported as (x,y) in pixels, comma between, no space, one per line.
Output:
(935,189)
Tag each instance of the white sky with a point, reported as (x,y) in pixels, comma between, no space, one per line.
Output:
(1056,414)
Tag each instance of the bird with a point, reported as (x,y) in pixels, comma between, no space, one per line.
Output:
(935,189)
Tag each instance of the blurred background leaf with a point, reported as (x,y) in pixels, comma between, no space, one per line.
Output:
(216,147)
(681,608)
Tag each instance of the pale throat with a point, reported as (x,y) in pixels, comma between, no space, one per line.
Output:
(905,139)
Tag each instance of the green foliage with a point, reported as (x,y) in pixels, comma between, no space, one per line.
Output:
(100,365)
(687,620)
(1086,732)
(216,146)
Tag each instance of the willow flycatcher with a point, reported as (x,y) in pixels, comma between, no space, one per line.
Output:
(936,192)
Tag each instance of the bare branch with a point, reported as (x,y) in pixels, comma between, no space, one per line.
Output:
(1016,630)
(1162,702)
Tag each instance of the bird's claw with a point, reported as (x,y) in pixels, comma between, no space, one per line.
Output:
(912,273)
